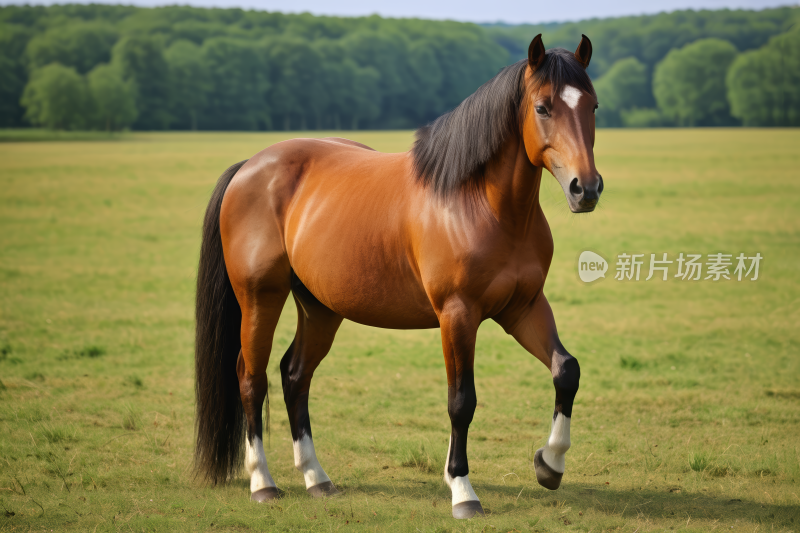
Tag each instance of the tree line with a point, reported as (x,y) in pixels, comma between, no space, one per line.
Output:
(110,67)
(115,67)
(686,68)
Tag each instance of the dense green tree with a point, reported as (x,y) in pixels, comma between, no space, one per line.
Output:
(236,99)
(190,83)
(626,85)
(424,99)
(297,74)
(387,54)
(309,27)
(197,31)
(764,84)
(13,74)
(352,91)
(13,40)
(689,83)
(360,102)
(43,17)
(11,86)
(81,45)
(56,97)
(467,61)
(142,61)
(113,98)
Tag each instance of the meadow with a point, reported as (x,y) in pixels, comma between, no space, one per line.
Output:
(687,419)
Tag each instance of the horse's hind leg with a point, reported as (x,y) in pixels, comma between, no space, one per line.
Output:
(260,312)
(316,329)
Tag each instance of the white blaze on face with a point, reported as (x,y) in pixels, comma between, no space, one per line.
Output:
(460,487)
(305,460)
(571,96)
(256,464)
(557,444)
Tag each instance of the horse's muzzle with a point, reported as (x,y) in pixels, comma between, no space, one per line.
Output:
(584,198)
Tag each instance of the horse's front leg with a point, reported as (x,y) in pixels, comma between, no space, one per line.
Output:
(536,332)
(459,327)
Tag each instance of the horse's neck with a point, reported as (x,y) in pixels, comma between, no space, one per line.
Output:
(512,186)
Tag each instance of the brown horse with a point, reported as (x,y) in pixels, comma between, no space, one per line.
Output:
(446,235)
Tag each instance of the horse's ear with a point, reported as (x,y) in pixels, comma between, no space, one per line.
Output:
(536,53)
(584,52)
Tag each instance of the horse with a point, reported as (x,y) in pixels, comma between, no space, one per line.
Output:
(446,235)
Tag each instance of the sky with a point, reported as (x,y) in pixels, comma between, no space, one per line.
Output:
(510,11)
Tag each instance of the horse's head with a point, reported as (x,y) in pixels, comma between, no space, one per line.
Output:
(558,120)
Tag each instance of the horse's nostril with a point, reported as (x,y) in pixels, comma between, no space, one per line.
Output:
(600,187)
(574,188)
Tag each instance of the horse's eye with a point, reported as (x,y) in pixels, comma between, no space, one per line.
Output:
(542,110)
(595,109)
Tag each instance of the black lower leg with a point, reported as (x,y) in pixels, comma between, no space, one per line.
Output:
(461,403)
(566,377)
(295,395)
(253,391)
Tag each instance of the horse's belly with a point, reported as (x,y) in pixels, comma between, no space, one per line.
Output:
(373,294)
(386,311)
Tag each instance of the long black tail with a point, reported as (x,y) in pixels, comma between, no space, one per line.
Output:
(220,418)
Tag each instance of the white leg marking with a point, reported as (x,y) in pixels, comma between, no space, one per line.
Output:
(571,96)
(256,464)
(305,460)
(558,444)
(460,487)
(462,490)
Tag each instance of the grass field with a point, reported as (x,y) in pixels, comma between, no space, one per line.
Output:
(688,417)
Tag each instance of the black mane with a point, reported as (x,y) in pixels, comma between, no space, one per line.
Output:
(453,150)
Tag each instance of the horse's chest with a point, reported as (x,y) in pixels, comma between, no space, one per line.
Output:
(524,275)
(528,280)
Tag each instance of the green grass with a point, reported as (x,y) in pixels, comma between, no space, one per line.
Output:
(688,417)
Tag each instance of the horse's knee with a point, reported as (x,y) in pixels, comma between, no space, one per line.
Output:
(566,379)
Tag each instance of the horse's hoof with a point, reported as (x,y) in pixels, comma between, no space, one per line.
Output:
(469,509)
(546,476)
(323,490)
(269,493)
